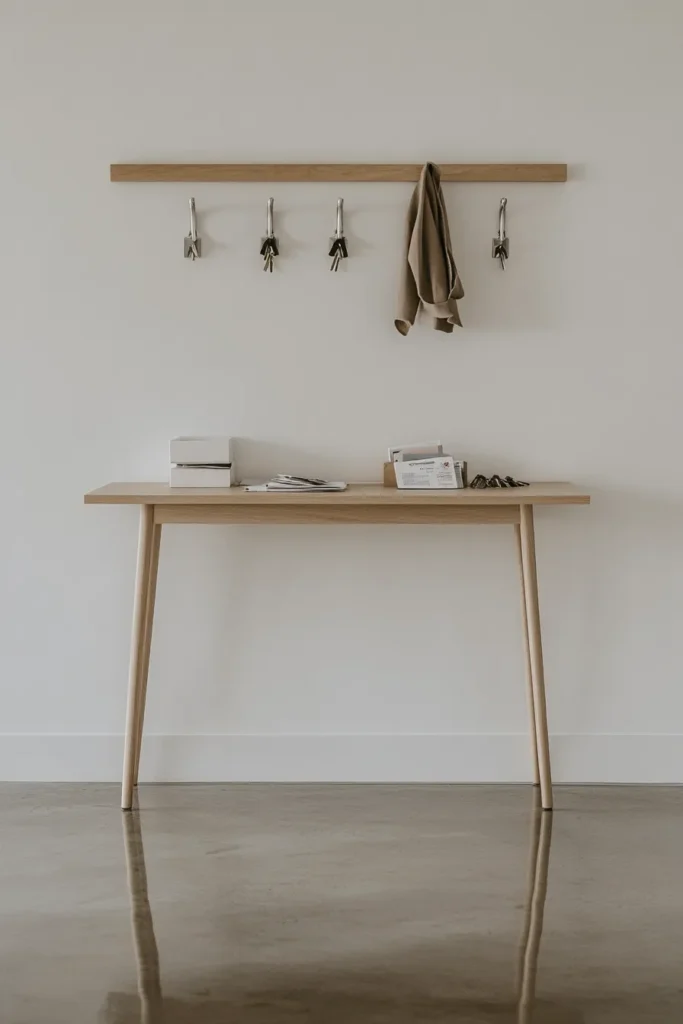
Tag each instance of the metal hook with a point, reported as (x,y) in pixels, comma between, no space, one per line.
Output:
(269,244)
(338,249)
(501,219)
(500,248)
(192,248)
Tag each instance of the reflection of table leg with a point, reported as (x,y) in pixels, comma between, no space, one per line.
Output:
(534,841)
(541,835)
(146,952)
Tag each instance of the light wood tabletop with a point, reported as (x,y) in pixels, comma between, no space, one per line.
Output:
(355,494)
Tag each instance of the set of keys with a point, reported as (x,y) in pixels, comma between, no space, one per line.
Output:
(269,245)
(339,250)
(192,243)
(500,246)
(480,482)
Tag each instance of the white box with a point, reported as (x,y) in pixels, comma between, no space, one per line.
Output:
(201,451)
(200,476)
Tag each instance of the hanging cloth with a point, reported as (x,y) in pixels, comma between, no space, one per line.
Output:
(429,276)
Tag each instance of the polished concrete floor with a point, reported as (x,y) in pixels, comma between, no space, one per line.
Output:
(340,905)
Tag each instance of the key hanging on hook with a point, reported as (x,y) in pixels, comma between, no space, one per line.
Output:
(269,244)
(500,247)
(192,246)
(339,249)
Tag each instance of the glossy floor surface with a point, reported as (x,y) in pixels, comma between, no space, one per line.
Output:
(340,904)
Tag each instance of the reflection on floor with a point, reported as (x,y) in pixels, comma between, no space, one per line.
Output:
(340,904)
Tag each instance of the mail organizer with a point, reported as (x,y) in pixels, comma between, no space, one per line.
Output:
(434,481)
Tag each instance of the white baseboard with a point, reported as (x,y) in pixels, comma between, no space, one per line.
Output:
(342,758)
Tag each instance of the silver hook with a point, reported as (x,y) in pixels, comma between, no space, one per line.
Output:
(269,244)
(192,248)
(501,219)
(500,247)
(193,220)
(338,248)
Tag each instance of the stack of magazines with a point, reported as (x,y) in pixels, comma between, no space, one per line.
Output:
(297,484)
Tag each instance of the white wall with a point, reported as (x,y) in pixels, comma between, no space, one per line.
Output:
(388,653)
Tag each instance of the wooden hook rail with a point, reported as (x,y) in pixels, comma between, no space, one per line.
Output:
(335,172)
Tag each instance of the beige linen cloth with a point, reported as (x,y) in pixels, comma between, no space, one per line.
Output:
(429,276)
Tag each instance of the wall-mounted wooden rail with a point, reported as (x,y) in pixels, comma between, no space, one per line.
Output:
(335,172)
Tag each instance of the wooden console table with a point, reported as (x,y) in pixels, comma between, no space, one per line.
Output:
(359,504)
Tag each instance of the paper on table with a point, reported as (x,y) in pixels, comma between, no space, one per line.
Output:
(276,488)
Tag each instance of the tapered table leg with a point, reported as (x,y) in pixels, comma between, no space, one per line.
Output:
(137,651)
(149,623)
(536,652)
(527,661)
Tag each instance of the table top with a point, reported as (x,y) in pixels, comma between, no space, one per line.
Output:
(355,494)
